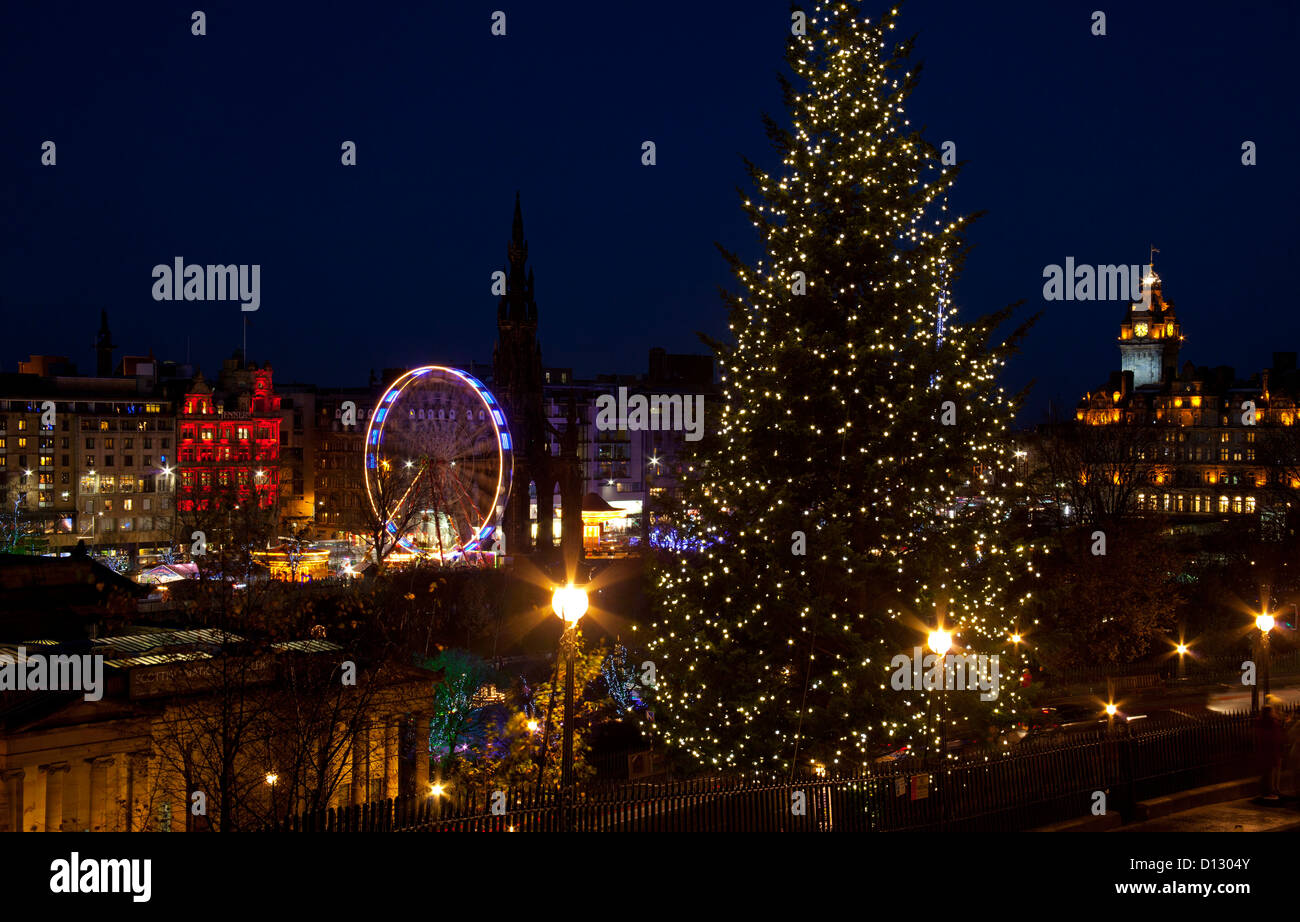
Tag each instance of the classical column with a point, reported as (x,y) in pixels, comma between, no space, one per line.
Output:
(360,775)
(137,792)
(421,719)
(76,798)
(99,795)
(11,782)
(340,772)
(34,803)
(392,747)
(54,792)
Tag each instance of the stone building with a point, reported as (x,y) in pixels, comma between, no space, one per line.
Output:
(518,382)
(88,458)
(1212,445)
(118,765)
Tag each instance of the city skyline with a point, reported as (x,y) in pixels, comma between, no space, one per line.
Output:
(387,263)
(753,417)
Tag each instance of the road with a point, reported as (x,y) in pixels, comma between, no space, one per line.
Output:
(1159,707)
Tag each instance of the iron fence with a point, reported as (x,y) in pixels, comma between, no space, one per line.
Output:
(1036,784)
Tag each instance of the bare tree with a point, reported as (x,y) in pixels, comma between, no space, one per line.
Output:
(1098,470)
(266,713)
(222,529)
(393,513)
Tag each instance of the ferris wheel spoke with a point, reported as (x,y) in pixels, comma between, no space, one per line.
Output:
(445,422)
(468,512)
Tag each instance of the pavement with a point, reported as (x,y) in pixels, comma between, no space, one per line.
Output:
(1244,815)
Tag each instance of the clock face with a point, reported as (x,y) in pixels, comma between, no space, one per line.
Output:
(1139,329)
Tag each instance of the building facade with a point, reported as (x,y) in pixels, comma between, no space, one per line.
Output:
(1212,445)
(86,460)
(228,446)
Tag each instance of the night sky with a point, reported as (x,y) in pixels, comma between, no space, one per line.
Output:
(226,149)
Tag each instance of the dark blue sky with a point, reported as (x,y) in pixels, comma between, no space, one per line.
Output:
(225,149)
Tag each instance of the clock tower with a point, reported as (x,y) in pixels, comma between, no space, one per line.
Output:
(1150,335)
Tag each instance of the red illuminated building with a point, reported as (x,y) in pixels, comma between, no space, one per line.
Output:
(228,454)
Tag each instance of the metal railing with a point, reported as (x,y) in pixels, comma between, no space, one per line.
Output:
(1036,784)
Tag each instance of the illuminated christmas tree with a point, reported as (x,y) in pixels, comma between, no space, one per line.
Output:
(847,503)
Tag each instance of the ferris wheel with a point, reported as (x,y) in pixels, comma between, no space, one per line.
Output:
(438,463)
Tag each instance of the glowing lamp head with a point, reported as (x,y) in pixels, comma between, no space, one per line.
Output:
(272,778)
(1015,638)
(940,641)
(533,726)
(1182,649)
(1265,622)
(436,790)
(1111,710)
(569,603)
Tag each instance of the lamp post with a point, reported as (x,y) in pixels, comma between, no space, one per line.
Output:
(271,779)
(569,603)
(1264,621)
(940,642)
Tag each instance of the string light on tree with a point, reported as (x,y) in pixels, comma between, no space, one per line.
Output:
(830,426)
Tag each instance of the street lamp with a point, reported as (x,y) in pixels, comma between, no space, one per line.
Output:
(940,642)
(569,603)
(271,779)
(1265,623)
